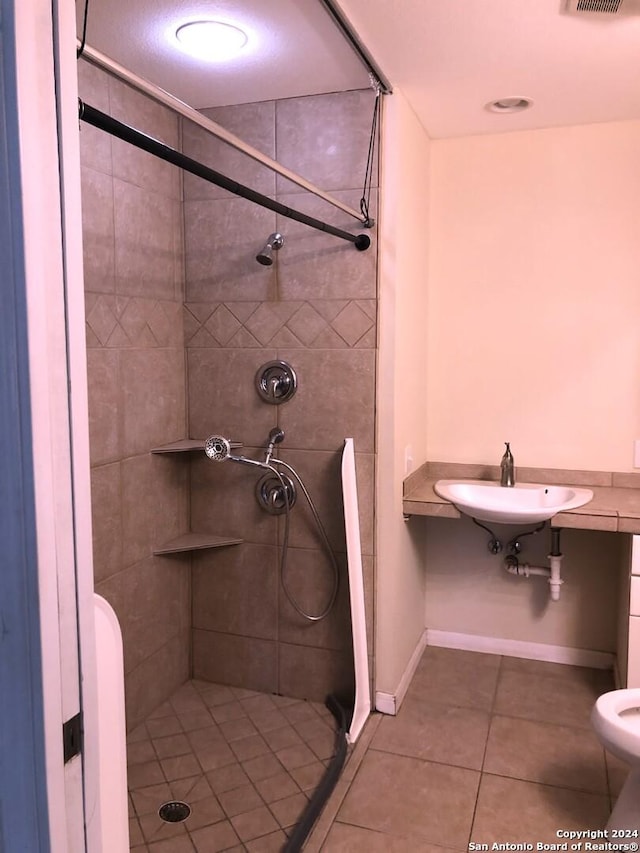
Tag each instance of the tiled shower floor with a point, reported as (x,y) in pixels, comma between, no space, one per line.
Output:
(245,762)
(484,749)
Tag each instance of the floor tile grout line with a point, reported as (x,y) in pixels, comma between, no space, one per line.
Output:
(318,836)
(545,784)
(486,746)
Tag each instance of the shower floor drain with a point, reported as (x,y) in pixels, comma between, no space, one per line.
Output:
(174,812)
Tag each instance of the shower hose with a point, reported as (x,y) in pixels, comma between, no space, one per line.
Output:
(218,449)
(285,544)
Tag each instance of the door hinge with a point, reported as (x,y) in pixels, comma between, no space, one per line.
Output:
(72,737)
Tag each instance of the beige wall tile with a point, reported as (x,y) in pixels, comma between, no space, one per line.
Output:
(238,661)
(151,683)
(153,390)
(146,225)
(235,591)
(309,577)
(222,395)
(154,493)
(320,472)
(352,323)
(325,138)
(152,617)
(136,397)
(222,239)
(98,235)
(95,145)
(313,263)
(365,477)
(312,673)
(369,580)
(105,427)
(106,509)
(223,499)
(331,381)
(255,125)
(130,163)
(628,481)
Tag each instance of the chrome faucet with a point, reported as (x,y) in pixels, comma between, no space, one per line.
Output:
(507,471)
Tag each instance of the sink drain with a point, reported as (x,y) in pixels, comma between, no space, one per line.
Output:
(174,812)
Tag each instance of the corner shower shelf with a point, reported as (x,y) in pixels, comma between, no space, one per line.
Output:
(182,446)
(196,542)
(187,444)
(192,541)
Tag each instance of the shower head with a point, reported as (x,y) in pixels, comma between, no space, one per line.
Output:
(274,242)
(218,449)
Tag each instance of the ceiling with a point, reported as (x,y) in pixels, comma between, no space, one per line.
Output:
(449,57)
(294,48)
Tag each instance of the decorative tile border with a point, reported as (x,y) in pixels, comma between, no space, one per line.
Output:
(122,321)
(322,323)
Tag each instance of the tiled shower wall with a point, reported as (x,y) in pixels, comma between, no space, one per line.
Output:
(132,224)
(315,308)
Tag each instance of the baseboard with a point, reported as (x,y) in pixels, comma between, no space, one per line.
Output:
(520,649)
(389,703)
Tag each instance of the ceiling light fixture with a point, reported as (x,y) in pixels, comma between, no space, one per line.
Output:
(213,41)
(513,104)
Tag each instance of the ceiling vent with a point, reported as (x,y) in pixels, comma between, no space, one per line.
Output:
(620,8)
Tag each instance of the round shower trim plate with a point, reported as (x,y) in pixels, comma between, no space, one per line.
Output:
(276,382)
(273,497)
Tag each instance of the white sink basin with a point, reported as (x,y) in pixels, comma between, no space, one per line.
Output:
(524,503)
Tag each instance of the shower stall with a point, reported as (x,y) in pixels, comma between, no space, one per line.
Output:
(180,316)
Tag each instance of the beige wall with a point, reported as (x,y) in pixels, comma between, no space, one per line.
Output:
(132,234)
(535,298)
(469,592)
(401,393)
(533,337)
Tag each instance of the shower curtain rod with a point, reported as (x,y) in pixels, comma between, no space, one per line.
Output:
(101,60)
(129,134)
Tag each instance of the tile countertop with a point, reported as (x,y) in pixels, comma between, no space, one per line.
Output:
(615,505)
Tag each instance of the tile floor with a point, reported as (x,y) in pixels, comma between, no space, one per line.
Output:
(245,762)
(485,749)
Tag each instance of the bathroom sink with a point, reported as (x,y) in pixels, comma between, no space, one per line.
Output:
(524,503)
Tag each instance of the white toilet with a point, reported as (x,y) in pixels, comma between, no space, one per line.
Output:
(616,721)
